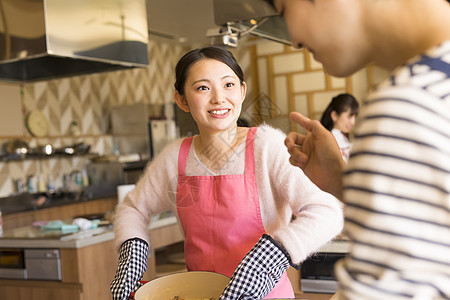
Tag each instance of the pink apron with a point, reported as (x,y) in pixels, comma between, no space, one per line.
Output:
(221,217)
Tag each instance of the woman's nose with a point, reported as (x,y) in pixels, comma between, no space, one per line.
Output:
(217,96)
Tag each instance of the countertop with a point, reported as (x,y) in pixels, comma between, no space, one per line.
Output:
(336,246)
(32,237)
(28,202)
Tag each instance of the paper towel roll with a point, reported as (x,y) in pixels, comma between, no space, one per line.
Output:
(122,191)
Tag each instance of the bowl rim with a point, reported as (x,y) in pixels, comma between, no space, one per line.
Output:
(175,275)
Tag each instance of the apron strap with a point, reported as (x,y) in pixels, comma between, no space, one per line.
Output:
(249,157)
(182,156)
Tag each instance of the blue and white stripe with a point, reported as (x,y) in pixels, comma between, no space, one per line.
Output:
(397,187)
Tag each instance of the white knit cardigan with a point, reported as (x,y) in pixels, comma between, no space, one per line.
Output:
(294,211)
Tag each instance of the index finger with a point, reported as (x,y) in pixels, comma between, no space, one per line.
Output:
(301,120)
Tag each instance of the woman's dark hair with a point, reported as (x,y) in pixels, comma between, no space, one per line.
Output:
(214,52)
(339,104)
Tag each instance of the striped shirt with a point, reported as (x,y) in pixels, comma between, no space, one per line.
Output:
(397,187)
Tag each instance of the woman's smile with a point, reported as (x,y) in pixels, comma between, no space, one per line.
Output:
(220,113)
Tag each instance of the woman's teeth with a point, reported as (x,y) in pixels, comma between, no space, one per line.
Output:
(219,112)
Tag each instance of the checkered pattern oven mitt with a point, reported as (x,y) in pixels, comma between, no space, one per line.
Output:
(259,271)
(133,257)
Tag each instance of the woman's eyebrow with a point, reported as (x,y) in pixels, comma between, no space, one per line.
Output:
(200,80)
(207,80)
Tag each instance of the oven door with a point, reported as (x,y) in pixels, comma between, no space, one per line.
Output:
(12,263)
(317,273)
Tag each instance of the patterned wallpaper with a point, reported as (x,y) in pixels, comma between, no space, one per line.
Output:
(87,100)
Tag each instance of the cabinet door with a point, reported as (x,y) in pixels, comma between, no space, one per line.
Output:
(39,290)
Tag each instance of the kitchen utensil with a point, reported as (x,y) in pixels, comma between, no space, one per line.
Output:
(193,284)
(46,149)
(16,148)
(80,148)
(37,123)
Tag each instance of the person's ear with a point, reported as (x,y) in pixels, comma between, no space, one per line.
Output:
(334,115)
(180,100)
(243,90)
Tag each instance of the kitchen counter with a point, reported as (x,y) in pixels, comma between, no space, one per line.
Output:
(31,202)
(60,211)
(88,264)
(336,246)
(32,237)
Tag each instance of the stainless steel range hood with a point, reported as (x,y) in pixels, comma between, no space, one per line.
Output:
(251,16)
(47,39)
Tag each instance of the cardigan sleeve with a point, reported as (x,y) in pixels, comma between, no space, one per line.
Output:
(297,213)
(154,193)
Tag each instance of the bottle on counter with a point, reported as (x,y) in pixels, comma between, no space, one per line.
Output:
(78,178)
(85,177)
(42,187)
(50,185)
(18,185)
(31,184)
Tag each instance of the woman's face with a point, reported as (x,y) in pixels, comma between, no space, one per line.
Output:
(213,94)
(331,30)
(343,122)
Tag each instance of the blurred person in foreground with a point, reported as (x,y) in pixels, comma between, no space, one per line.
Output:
(396,185)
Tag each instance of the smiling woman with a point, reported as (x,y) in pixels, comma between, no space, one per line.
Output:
(213,94)
(232,189)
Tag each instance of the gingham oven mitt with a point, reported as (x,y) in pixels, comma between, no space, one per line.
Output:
(259,271)
(133,257)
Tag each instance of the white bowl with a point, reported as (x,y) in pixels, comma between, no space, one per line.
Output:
(194,284)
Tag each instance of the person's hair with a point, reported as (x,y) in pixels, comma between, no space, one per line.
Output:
(339,104)
(213,52)
(241,122)
(273,4)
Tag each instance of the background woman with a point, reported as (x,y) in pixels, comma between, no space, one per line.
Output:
(339,118)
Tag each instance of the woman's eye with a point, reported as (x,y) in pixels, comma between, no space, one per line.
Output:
(230,84)
(202,88)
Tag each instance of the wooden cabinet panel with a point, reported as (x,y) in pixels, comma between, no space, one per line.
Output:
(98,206)
(69,265)
(39,290)
(97,266)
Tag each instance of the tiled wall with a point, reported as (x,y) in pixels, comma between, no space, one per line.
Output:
(87,101)
(289,79)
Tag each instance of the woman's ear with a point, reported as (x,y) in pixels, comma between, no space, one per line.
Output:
(181,101)
(334,116)
(243,90)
